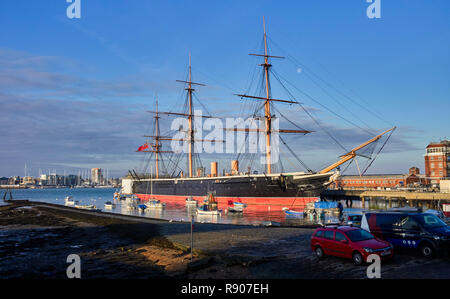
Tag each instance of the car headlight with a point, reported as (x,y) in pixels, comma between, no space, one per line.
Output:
(369,250)
(437,237)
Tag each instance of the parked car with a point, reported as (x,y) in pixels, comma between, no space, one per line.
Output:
(422,231)
(353,219)
(349,242)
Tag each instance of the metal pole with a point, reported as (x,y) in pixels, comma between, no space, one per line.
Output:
(192,237)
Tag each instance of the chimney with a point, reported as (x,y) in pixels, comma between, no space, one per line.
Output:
(213,168)
(234,167)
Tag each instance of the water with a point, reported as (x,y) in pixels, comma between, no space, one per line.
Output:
(172,211)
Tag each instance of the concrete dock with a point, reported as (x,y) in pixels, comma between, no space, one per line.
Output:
(403,198)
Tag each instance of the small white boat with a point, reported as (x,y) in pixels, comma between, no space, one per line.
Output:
(109,205)
(238,207)
(69,201)
(270,223)
(132,199)
(87,207)
(209,206)
(155,203)
(295,214)
(208,212)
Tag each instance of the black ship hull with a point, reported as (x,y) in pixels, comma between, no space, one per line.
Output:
(290,190)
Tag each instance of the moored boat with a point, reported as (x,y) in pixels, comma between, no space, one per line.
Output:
(87,207)
(69,201)
(296,214)
(109,205)
(156,204)
(142,207)
(237,207)
(204,211)
(209,206)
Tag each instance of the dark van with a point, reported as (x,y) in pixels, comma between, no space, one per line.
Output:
(422,231)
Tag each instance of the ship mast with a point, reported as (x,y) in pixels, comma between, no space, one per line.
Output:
(156,147)
(190,115)
(191,130)
(157,144)
(267,101)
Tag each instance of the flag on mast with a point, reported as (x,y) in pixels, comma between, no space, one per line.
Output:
(142,147)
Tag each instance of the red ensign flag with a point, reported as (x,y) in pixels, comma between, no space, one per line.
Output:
(142,147)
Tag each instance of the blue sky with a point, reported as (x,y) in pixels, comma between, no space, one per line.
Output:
(74,91)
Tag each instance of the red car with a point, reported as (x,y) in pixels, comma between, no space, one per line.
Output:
(349,242)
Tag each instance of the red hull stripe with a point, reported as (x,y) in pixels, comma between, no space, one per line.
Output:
(260,203)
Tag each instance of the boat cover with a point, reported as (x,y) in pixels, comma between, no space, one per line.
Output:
(325,205)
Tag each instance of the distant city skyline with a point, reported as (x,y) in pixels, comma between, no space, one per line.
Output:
(82,172)
(74,92)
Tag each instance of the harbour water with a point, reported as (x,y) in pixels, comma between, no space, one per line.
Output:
(172,211)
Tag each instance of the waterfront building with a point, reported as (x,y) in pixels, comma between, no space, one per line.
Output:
(437,161)
(381,181)
(28,180)
(4,181)
(15,180)
(96,176)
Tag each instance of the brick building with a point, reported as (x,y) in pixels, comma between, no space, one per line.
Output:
(411,179)
(437,161)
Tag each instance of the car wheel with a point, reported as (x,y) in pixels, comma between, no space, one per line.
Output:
(319,252)
(357,258)
(427,250)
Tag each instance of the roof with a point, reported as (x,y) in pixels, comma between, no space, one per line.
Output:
(396,212)
(344,228)
(374,176)
(439,144)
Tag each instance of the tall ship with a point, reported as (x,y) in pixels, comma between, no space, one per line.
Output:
(273,189)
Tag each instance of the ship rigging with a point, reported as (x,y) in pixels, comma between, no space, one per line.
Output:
(279,188)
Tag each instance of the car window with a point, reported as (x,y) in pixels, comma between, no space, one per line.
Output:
(359,235)
(319,233)
(329,234)
(407,223)
(355,218)
(387,221)
(429,221)
(339,236)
